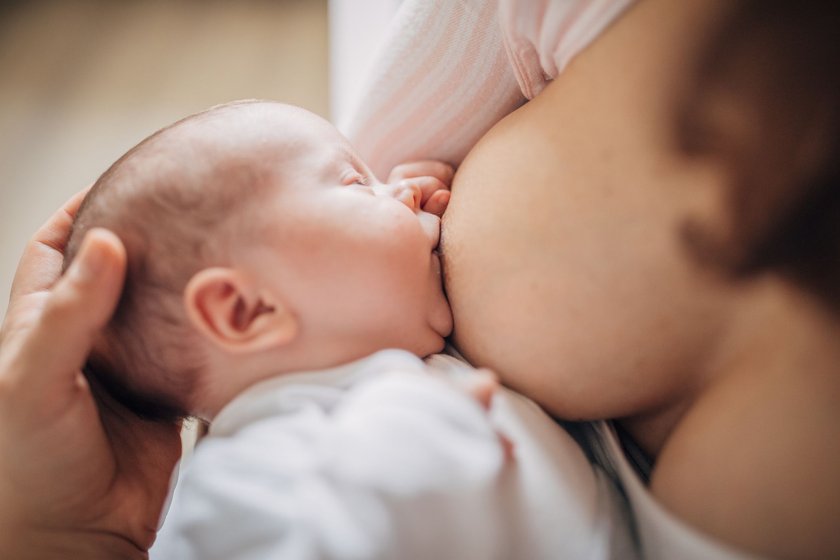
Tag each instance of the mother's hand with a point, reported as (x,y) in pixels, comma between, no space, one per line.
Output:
(78,477)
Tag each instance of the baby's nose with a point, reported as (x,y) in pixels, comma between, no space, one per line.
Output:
(407,192)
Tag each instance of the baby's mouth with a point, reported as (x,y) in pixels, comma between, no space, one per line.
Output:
(431,226)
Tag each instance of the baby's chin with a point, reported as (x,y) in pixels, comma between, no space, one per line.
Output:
(440,317)
(434,345)
(430,338)
(441,321)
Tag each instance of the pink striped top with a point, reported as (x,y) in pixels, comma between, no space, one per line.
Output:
(451,69)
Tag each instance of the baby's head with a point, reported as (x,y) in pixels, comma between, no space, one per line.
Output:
(258,243)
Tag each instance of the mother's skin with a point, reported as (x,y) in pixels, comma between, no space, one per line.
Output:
(567,274)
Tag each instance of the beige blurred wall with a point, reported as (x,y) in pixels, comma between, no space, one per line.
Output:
(83,81)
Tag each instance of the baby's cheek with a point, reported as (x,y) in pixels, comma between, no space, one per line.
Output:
(404,236)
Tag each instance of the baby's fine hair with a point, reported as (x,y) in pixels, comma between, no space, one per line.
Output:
(169,200)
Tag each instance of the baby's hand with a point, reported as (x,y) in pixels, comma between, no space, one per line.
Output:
(432,177)
(481,385)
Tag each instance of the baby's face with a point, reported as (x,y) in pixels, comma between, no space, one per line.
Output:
(354,258)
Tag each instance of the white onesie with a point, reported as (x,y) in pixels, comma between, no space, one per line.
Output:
(382,458)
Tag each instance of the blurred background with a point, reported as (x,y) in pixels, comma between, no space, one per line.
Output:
(81,81)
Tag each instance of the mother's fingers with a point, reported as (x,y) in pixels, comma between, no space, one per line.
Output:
(40,265)
(55,346)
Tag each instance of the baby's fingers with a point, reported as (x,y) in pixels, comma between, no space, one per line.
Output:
(481,385)
(429,186)
(441,171)
(437,203)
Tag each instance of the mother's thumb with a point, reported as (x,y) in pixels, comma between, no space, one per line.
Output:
(78,307)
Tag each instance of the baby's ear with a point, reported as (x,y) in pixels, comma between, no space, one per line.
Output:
(226,307)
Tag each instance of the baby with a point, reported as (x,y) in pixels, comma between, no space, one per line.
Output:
(276,288)
(258,244)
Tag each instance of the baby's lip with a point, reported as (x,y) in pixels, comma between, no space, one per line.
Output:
(431,226)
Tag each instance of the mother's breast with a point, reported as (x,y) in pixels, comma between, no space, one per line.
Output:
(510,235)
(561,260)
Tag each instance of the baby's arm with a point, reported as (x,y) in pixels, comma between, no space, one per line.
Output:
(402,466)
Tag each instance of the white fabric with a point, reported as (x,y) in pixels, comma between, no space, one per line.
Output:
(356,30)
(443,60)
(382,459)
